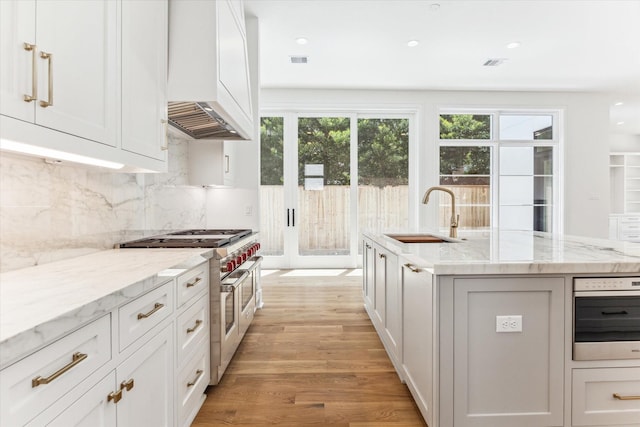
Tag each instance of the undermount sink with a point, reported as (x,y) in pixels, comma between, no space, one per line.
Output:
(421,238)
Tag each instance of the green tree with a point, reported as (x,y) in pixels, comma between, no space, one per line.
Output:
(383,152)
(325,140)
(271,149)
(465,126)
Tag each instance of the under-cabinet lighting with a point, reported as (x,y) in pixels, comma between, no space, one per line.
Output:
(48,153)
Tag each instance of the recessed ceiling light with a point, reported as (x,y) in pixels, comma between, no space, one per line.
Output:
(302,40)
(299,59)
(513,45)
(413,43)
(620,123)
(434,6)
(617,104)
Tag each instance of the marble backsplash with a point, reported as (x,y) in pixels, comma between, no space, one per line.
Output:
(50,212)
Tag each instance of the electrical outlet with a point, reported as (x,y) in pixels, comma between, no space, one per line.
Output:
(248,210)
(511,323)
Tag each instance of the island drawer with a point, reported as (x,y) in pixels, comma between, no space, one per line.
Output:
(192,381)
(143,313)
(192,327)
(606,396)
(35,382)
(192,283)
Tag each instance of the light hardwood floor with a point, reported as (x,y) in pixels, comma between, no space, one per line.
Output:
(310,358)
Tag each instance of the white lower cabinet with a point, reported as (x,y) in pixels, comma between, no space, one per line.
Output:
(368,274)
(605,397)
(83,380)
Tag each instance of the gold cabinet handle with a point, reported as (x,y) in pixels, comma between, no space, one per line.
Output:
(620,397)
(75,359)
(49,101)
(382,256)
(157,306)
(226,164)
(116,396)
(199,373)
(412,268)
(196,326)
(165,146)
(195,282)
(34,72)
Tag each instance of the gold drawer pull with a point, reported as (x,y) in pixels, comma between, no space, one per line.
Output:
(156,307)
(75,359)
(196,326)
(190,285)
(34,72)
(49,101)
(382,255)
(199,373)
(619,397)
(412,268)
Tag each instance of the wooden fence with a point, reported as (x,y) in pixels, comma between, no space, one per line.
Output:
(322,217)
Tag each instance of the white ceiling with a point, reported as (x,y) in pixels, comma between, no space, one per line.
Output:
(566,45)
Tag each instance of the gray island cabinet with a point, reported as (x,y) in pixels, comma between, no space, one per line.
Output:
(482,329)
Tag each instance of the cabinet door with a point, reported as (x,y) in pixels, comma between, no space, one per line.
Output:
(380,282)
(150,401)
(506,379)
(91,410)
(144,77)
(417,343)
(368,274)
(80,76)
(393,313)
(17,27)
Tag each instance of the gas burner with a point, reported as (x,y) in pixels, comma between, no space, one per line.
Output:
(175,243)
(212,232)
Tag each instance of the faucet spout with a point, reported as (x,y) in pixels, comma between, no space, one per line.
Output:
(453,228)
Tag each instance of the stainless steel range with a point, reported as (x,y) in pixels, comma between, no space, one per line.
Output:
(234,277)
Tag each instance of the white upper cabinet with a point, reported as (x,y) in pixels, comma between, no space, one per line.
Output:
(144,77)
(86,78)
(73,57)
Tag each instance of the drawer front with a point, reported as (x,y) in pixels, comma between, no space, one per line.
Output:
(193,379)
(192,327)
(32,384)
(142,314)
(192,283)
(593,401)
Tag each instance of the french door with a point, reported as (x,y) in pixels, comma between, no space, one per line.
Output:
(314,202)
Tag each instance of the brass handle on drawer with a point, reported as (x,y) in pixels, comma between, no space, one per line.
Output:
(198,280)
(75,359)
(619,397)
(156,307)
(196,326)
(382,255)
(49,101)
(412,268)
(34,72)
(199,373)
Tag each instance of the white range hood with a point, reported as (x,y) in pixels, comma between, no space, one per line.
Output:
(209,88)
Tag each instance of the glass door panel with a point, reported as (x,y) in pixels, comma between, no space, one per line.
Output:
(272,201)
(383,175)
(322,217)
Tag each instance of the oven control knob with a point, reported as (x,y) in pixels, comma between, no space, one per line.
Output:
(230,266)
(252,251)
(238,261)
(244,257)
(258,245)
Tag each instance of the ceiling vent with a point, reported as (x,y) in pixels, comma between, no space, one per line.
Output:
(493,62)
(299,59)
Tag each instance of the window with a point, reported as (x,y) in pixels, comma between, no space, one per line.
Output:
(511,163)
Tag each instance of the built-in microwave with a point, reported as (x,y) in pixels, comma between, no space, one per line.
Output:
(606,318)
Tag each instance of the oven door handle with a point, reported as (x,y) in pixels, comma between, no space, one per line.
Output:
(614,313)
(590,294)
(230,287)
(257,260)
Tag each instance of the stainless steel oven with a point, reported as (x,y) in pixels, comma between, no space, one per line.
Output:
(230,295)
(606,318)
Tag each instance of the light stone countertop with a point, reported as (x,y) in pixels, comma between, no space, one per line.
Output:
(518,252)
(42,303)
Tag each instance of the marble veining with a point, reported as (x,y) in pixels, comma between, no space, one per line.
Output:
(519,252)
(39,304)
(50,212)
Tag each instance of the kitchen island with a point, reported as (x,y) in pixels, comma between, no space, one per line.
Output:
(481,329)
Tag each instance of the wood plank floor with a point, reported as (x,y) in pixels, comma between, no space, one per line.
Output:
(310,358)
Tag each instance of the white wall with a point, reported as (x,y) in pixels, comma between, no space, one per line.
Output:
(586,138)
(624,142)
